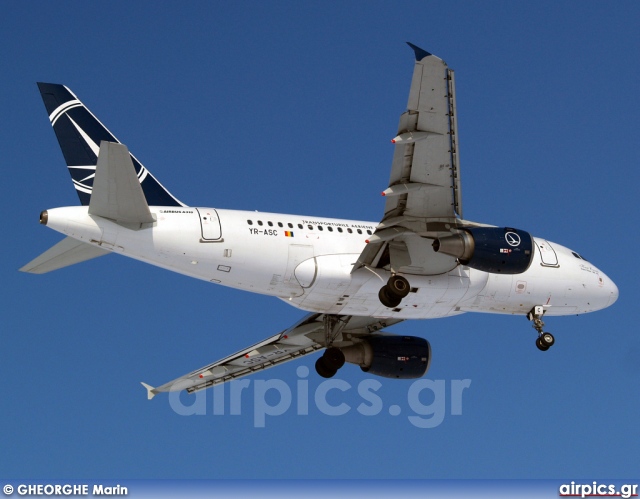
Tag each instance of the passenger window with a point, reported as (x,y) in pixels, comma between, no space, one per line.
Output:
(250,222)
(310,227)
(359,231)
(349,231)
(299,226)
(259,222)
(270,224)
(369,232)
(291,225)
(339,229)
(330,229)
(320,227)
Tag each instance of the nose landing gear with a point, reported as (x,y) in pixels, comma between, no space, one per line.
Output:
(545,340)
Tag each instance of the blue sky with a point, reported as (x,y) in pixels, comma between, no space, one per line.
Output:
(289,107)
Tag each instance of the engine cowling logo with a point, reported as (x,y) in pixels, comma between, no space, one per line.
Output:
(512,239)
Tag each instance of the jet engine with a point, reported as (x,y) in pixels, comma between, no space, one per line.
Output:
(402,357)
(497,250)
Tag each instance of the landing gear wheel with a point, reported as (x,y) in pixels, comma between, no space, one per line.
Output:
(387,298)
(333,358)
(323,370)
(547,339)
(398,286)
(541,346)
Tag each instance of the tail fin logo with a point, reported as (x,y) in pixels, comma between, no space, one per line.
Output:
(79,134)
(53,117)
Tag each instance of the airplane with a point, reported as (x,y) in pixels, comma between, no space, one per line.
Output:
(422,260)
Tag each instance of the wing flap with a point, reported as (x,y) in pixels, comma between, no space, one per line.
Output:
(67,252)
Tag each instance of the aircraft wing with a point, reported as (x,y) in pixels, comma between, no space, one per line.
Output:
(423,200)
(304,338)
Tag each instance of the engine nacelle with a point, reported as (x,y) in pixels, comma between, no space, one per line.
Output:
(403,357)
(497,250)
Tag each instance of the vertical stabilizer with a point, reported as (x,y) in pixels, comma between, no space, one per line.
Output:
(80,133)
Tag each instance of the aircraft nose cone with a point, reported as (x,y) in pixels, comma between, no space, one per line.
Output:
(613,292)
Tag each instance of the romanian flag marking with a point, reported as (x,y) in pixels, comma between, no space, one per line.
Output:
(288,233)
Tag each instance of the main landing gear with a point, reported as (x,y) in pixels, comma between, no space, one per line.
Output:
(392,293)
(545,340)
(332,359)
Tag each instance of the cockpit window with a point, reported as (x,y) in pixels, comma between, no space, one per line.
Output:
(579,256)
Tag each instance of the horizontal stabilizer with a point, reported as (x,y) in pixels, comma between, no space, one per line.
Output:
(117,194)
(150,390)
(65,253)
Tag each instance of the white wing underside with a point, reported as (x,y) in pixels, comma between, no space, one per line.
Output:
(423,200)
(429,164)
(306,337)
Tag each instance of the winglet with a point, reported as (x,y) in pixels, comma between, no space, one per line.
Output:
(420,53)
(150,390)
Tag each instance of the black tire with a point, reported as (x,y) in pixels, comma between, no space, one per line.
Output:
(547,339)
(323,370)
(541,346)
(388,299)
(398,286)
(333,358)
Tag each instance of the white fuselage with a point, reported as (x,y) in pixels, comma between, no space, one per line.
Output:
(308,262)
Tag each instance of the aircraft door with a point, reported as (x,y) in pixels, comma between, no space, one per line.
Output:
(209,225)
(547,253)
